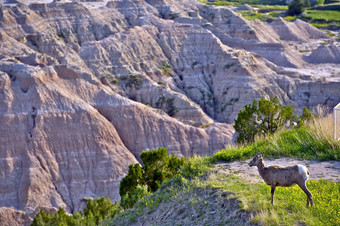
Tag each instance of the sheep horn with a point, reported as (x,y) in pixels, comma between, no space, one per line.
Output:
(260,154)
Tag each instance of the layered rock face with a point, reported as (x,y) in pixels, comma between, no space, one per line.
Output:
(87,85)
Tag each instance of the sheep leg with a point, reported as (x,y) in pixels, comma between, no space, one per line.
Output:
(309,195)
(273,192)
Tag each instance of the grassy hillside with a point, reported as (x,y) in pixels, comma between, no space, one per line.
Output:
(222,199)
(312,141)
(202,194)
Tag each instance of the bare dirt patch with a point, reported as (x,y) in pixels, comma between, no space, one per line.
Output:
(329,170)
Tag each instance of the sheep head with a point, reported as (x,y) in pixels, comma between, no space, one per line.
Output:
(256,159)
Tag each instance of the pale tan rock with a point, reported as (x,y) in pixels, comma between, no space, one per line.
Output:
(324,54)
(12,217)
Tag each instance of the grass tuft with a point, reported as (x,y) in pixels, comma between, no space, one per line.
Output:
(311,141)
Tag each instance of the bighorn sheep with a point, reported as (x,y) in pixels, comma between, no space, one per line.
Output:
(283,176)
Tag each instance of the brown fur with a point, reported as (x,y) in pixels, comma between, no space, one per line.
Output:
(282,176)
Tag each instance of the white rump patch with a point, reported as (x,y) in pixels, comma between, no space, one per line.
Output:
(303,171)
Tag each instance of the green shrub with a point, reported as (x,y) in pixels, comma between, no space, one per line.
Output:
(307,115)
(167,104)
(132,80)
(296,7)
(100,209)
(94,212)
(261,117)
(131,180)
(158,166)
(128,200)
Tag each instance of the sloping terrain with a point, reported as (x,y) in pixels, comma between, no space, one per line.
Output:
(86,86)
(194,206)
(215,198)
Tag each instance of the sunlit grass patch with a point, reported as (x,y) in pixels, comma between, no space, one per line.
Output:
(311,141)
(290,202)
(326,15)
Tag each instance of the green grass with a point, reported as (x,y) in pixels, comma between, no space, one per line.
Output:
(276,7)
(289,18)
(325,15)
(290,203)
(334,6)
(253,15)
(302,143)
(319,24)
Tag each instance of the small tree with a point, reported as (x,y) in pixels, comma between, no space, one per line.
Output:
(296,7)
(307,115)
(246,123)
(157,167)
(129,199)
(131,180)
(263,116)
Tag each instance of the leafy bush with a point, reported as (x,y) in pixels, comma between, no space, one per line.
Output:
(158,166)
(132,80)
(167,104)
(133,178)
(261,117)
(128,200)
(296,7)
(307,115)
(94,212)
(100,209)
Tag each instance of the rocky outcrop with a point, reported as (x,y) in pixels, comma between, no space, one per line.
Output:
(296,31)
(87,85)
(324,54)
